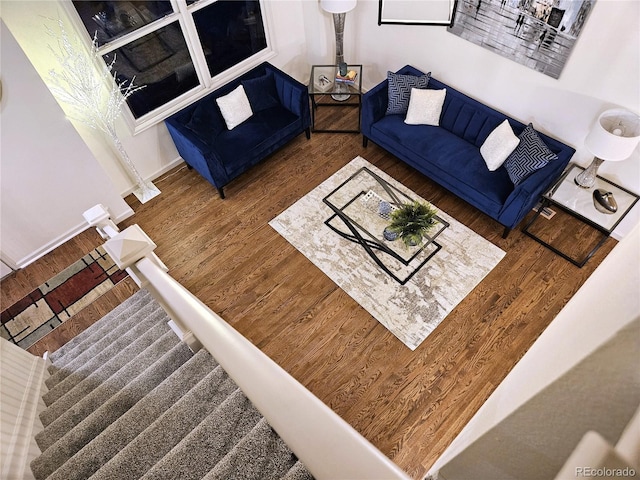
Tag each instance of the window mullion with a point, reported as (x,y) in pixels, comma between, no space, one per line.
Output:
(193,44)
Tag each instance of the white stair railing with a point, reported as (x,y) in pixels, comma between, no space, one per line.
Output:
(327,445)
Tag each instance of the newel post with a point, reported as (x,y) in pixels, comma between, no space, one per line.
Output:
(99,217)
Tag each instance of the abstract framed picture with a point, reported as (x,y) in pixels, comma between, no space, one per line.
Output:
(414,12)
(539,34)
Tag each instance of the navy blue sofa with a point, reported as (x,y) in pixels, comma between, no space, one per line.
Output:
(280,106)
(450,155)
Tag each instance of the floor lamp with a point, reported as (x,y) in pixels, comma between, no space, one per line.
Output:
(339,8)
(613,138)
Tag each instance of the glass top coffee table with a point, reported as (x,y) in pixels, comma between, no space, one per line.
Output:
(359,218)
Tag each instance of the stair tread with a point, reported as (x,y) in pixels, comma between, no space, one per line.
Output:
(114,407)
(260,455)
(297,472)
(74,387)
(209,442)
(91,331)
(169,429)
(105,340)
(141,297)
(115,437)
(80,410)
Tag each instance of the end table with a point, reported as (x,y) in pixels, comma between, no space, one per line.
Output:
(578,202)
(323,84)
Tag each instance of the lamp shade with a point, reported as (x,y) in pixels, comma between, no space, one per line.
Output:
(615,135)
(338,6)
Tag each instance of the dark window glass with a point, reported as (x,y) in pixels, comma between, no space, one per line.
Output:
(230,31)
(113,19)
(161,62)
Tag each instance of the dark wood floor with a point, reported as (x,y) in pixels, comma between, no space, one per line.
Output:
(409,404)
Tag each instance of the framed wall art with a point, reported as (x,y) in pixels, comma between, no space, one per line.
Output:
(412,12)
(537,33)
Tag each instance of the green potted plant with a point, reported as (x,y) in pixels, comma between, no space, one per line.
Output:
(411,221)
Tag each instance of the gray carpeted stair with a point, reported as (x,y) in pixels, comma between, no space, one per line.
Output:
(127,400)
(83,354)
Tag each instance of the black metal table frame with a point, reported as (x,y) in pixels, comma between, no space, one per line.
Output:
(371,245)
(337,104)
(606,233)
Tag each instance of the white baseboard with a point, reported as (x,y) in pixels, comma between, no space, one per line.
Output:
(65,237)
(174,163)
(82,226)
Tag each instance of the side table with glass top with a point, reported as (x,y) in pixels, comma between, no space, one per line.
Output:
(326,91)
(578,202)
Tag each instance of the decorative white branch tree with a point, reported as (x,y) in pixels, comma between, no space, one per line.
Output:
(92,89)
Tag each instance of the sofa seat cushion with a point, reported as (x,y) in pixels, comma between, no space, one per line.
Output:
(251,141)
(453,162)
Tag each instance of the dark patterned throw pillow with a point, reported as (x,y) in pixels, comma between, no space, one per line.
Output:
(530,155)
(261,92)
(400,91)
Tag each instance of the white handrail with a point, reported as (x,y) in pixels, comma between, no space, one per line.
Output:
(328,446)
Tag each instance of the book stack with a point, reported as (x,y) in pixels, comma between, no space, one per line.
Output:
(349,78)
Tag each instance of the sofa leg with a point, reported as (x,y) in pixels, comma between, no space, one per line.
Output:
(307,132)
(221,192)
(365,141)
(506,232)
(189,167)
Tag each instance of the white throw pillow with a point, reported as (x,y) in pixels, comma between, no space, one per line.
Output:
(425,107)
(499,145)
(234,107)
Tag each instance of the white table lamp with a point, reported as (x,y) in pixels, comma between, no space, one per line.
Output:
(614,136)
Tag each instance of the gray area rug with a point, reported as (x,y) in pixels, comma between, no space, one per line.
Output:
(411,312)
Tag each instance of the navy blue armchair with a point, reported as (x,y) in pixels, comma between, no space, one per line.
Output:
(280,106)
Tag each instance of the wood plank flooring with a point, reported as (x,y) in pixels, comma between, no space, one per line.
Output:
(409,404)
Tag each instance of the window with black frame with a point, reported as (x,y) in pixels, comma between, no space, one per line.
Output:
(172,51)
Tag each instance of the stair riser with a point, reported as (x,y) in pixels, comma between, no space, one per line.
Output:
(110,411)
(115,437)
(82,409)
(112,335)
(84,386)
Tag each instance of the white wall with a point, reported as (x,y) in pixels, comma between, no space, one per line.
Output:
(48,177)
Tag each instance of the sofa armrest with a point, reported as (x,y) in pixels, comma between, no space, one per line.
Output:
(374,106)
(197,154)
(528,193)
(293,95)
